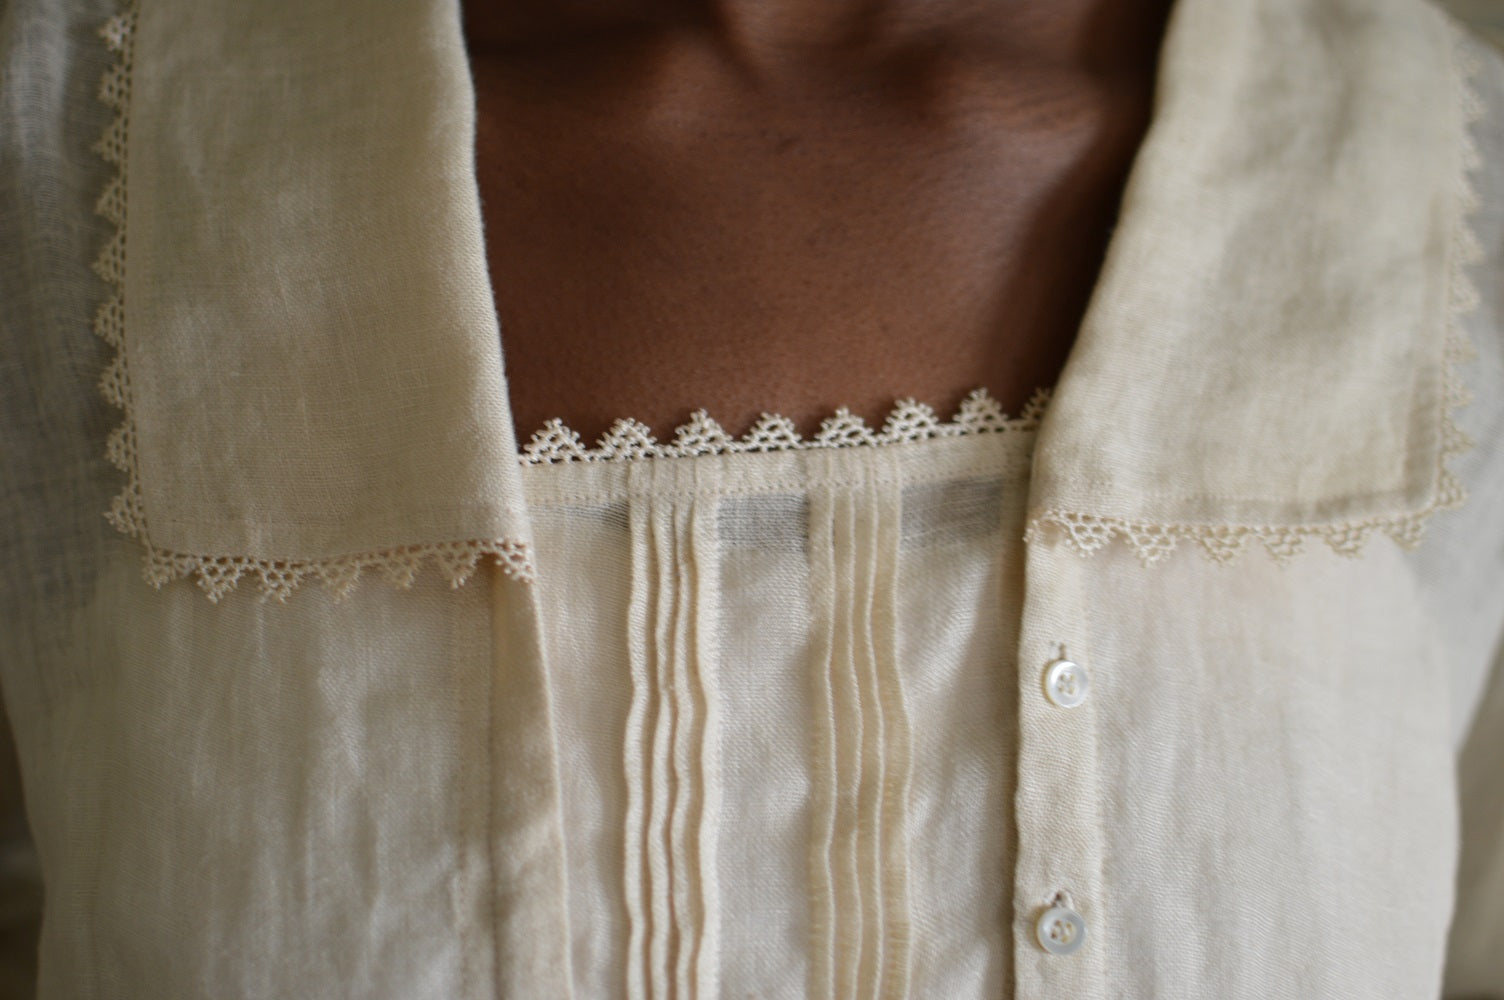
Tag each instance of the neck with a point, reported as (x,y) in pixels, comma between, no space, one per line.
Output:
(801,193)
(1107,37)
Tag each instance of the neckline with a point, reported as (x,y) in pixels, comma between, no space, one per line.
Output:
(908,422)
(623,409)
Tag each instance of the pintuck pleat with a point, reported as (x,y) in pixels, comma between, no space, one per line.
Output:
(781,670)
(671,761)
(861,764)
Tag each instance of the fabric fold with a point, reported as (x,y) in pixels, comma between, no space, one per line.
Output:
(671,761)
(1317,347)
(305,298)
(859,846)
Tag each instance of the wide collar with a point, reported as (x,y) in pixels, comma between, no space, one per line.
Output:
(1270,349)
(311,369)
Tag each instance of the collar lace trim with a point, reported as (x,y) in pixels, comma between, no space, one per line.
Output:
(630,440)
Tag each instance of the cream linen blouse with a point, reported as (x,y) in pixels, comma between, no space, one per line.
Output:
(1184,683)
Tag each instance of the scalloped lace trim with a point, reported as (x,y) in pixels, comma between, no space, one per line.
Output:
(218,575)
(629,440)
(1088,533)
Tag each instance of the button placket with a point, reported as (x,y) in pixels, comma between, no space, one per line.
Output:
(1058,920)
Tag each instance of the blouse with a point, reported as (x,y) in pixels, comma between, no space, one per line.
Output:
(1188,681)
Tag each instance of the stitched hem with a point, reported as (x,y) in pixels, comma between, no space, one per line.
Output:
(1151,542)
(219,574)
(629,440)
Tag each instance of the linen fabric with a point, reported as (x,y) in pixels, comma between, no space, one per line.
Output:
(793,777)
(764,717)
(321,264)
(1263,173)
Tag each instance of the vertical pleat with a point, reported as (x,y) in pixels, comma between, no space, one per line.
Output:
(824,891)
(704,541)
(882,636)
(845,848)
(661,929)
(687,737)
(861,752)
(640,719)
(671,756)
(865,520)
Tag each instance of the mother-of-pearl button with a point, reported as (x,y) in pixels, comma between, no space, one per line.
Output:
(1066,683)
(1060,930)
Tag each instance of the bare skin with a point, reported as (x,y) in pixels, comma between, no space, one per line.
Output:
(791,206)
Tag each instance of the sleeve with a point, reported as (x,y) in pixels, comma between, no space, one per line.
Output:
(51,415)
(1475,962)
(20,883)
(1462,575)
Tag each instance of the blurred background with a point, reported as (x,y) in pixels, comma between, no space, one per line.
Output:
(1486,15)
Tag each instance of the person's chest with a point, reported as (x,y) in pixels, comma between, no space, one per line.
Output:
(667,230)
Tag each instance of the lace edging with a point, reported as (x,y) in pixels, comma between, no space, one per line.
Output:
(1151,542)
(218,575)
(629,440)
(278,578)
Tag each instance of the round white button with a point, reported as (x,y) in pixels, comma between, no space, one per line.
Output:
(1066,683)
(1060,930)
